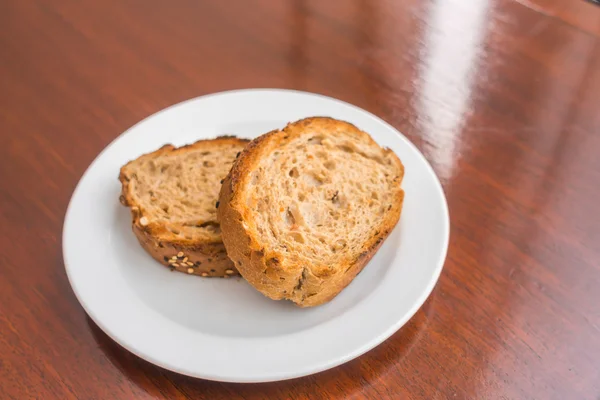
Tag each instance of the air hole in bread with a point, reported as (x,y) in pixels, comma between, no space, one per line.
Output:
(297,214)
(210,226)
(334,214)
(338,245)
(298,237)
(313,180)
(294,172)
(184,189)
(273,262)
(329,164)
(263,205)
(289,217)
(346,148)
(255,176)
(335,198)
(187,203)
(208,164)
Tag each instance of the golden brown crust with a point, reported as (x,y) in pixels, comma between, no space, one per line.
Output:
(275,275)
(204,258)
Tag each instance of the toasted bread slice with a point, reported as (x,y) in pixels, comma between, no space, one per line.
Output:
(304,209)
(172,194)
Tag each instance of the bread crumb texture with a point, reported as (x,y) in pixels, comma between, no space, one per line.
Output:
(176,189)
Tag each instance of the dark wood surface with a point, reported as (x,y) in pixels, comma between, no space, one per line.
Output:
(501,96)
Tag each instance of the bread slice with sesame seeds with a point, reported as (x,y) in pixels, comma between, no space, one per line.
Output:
(173,194)
(304,208)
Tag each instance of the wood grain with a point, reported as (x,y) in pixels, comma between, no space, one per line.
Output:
(501,96)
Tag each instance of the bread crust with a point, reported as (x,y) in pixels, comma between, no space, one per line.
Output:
(272,273)
(196,257)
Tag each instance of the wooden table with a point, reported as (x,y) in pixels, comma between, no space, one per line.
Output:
(501,96)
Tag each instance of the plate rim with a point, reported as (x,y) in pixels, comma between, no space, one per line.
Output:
(357,352)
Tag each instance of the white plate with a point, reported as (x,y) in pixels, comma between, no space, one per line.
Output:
(222,329)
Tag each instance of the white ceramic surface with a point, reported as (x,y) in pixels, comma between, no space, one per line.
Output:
(222,329)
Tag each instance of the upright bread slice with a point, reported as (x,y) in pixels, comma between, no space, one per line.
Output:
(303,209)
(172,194)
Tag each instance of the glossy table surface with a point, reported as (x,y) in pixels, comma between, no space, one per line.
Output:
(501,96)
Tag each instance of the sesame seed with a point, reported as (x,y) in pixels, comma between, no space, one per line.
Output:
(185,259)
(190,264)
(204,274)
(143,221)
(180,254)
(190,270)
(175,264)
(229,271)
(174,258)
(217,205)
